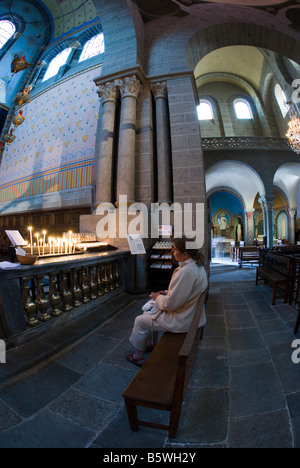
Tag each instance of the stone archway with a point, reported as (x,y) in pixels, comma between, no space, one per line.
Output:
(287,180)
(248,34)
(241,180)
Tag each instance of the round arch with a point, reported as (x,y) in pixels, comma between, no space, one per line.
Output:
(235,176)
(249,34)
(229,190)
(287,179)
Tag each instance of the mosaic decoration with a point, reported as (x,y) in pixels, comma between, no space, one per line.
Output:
(54,146)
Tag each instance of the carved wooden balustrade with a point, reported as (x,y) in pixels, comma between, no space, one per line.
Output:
(49,290)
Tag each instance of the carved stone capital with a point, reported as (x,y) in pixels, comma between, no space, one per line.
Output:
(75,45)
(262,201)
(130,87)
(108,92)
(160,90)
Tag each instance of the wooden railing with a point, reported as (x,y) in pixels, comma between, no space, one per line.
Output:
(33,297)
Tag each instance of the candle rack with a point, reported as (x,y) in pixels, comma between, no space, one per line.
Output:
(44,245)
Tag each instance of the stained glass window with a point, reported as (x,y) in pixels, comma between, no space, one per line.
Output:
(7,30)
(94,46)
(56,63)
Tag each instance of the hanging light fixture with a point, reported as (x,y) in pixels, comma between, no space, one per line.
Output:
(293,133)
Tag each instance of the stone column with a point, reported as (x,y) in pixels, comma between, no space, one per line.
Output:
(129,90)
(250,226)
(292,224)
(104,167)
(269,213)
(262,201)
(163,145)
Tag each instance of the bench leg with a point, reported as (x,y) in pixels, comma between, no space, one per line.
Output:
(174,421)
(297,323)
(274,294)
(286,293)
(132,415)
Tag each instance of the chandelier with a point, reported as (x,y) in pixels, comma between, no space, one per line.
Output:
(293,133)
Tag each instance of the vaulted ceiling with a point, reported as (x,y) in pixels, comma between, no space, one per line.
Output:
(155,8)
(67,16)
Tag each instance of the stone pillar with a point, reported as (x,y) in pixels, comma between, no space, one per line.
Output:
(293,226)
(269,213)
(262,201)
(164,164)
(104,166)
(129,90)
(250,226)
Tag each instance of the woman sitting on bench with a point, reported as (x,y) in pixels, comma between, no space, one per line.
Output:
(173,310)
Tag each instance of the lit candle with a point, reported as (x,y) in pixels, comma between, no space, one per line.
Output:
(31,244)
(38,243)
(66,245)
(44,242)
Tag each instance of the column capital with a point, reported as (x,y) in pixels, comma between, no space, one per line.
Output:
(160,90)
(266,202)
(75,45)
(130,87)
(249,213)
(292,213)
(108,92)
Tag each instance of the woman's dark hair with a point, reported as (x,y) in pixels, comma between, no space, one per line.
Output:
(195,254)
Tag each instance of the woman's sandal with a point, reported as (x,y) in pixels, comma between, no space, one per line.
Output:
(137,362)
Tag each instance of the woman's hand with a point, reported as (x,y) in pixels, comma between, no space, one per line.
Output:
(154,295)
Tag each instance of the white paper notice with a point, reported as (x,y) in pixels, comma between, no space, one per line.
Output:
(15,238)
(9,266)
(136,244)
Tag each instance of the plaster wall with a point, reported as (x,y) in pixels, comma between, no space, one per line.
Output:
(54,147)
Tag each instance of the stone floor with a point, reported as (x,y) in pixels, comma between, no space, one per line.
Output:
(244,391)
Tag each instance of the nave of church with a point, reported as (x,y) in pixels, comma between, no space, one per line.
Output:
(124,124)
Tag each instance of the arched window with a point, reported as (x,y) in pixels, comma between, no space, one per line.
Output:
(93,47)
(242,109)
(281,100)
(7,30)
(56,63)
(205,110)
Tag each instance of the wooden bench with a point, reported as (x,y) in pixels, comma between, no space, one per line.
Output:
(163,379)
(248,254)
(276,270)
